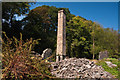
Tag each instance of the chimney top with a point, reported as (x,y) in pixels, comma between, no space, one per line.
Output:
(61,11)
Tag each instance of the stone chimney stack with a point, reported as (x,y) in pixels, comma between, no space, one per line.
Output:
(61,36)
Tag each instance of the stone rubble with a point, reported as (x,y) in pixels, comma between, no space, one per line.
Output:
(110,64)
(46,53)
(78,68)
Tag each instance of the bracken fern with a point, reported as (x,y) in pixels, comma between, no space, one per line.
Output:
(17,63)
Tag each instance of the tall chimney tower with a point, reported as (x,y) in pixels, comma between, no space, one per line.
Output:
(61,36)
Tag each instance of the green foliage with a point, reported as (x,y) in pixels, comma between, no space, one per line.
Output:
(106,39)
(118,69)
(114,71)
(17,63)
(78,37)
(10,10)
(113,60)
(84,37)
(42,22)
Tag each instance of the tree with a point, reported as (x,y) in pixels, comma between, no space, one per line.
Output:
(79,37)
(104,39)
(9,12)
(84,38)
(42,22)
(94,47)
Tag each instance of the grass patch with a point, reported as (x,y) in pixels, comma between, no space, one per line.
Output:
(114,71)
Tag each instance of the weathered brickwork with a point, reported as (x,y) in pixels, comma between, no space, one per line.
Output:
(61,36)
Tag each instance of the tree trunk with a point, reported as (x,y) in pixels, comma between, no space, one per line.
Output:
(93,49)
(93,44)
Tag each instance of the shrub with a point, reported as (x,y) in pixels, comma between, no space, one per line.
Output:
(17,62)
